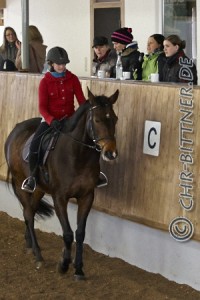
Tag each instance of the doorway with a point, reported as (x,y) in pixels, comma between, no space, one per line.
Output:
(106,17)
(106,20)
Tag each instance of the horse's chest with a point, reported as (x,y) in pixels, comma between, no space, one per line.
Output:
(82,183)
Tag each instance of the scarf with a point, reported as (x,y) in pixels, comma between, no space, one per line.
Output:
(58,75)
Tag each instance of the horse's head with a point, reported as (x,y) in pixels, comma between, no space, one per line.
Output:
(101,124)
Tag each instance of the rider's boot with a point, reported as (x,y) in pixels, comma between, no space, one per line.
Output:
(103,180)
(29,184)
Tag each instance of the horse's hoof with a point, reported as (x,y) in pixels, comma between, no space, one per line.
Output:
(39,264)
(79,277)
(29,251)
(62,269)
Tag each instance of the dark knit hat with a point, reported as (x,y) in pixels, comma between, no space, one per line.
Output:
(100,41)
(122,36)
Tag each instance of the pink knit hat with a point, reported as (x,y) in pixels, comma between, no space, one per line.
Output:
(122,36)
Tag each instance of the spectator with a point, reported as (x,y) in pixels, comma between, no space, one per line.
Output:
(131,58)
(175,55)
(37,51)
(8,50)
(155,57)
(104,58)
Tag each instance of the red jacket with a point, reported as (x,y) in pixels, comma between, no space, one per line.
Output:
(56,96)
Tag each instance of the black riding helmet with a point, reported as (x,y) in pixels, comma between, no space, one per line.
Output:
(58,55)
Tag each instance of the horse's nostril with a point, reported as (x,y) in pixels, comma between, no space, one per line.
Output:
(111,155)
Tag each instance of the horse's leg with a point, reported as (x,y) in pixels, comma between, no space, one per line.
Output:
(28,239)
(30,204)
(68,237)
(84,206)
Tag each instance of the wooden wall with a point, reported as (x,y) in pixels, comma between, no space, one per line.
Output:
(142,188)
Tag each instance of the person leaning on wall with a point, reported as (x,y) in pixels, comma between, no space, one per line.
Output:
(155,57)
(122,40)
(37,51)
(104,58)
(175,56)
(8,50)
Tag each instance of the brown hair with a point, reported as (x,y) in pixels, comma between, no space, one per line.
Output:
(175,40)
(34,34)
(5,42)
(159,38)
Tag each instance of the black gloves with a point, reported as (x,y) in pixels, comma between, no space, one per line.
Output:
(56,124)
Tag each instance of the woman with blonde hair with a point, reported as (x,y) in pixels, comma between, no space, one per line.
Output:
(37,51)
(8,50)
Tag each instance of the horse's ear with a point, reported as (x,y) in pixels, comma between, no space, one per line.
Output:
(90,95)
(114,97)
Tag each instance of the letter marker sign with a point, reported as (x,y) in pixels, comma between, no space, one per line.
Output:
(151,144)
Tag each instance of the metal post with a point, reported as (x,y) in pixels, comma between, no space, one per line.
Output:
(25,41)
(162,16)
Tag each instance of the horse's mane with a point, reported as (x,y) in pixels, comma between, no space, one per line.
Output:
(73,120)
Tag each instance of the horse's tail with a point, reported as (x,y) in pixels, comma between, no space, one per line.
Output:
(44,209)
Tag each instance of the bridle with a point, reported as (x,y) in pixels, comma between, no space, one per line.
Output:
(91,132)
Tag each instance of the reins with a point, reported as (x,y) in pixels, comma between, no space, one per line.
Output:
(95,146)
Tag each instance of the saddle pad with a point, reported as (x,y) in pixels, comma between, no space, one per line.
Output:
(48,143)
(25,151)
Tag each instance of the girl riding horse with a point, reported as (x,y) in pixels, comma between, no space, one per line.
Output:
(56,101)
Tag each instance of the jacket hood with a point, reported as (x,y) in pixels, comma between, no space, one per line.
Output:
(133,45)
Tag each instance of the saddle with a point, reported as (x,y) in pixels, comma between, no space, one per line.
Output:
(47,144)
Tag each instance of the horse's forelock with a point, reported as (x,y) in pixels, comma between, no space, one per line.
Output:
(102,100)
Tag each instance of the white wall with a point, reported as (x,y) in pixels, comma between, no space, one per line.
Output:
(66,23)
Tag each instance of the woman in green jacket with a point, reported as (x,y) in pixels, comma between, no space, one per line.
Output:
(155,57)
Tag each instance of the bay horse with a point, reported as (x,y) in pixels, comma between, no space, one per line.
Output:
(73,169)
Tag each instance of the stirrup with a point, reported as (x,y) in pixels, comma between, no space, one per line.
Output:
(102,181)
(26,187)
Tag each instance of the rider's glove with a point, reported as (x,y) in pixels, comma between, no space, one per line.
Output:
(56,124)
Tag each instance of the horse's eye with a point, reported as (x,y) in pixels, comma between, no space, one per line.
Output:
(107,116)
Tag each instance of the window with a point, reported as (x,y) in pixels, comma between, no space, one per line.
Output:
(180,18)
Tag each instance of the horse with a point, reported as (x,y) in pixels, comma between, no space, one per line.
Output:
(73,169)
